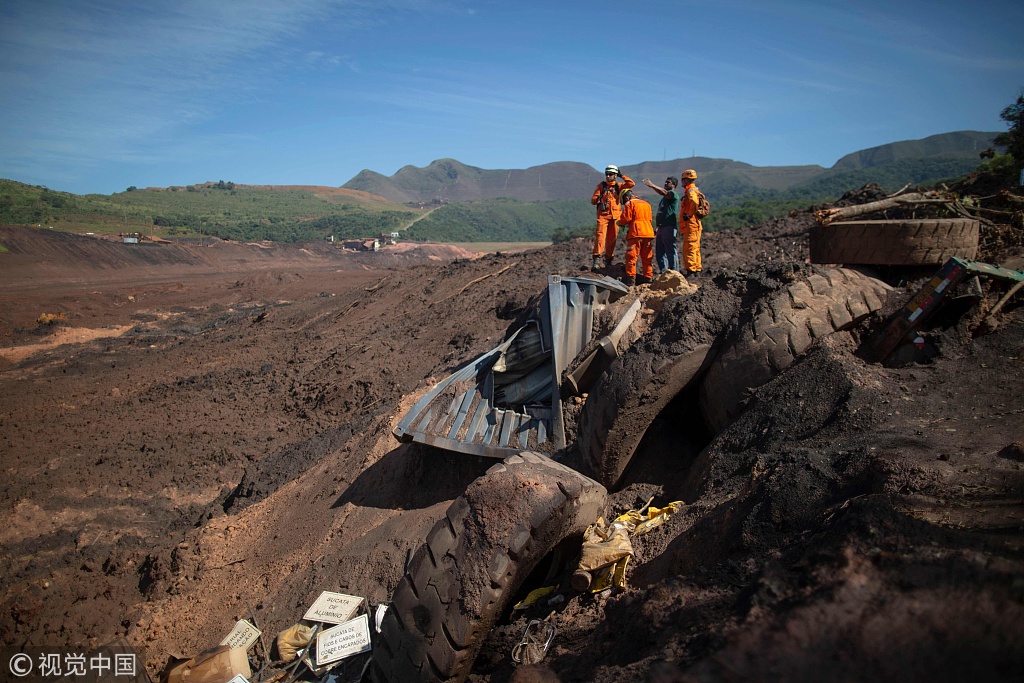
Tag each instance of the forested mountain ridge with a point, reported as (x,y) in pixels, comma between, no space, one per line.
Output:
(449,201)
(448,180)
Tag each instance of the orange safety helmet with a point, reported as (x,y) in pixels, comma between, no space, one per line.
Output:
(690,174)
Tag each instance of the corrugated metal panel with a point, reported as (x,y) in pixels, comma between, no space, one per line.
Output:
(508,399)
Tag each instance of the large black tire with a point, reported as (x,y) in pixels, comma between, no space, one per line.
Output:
(473,562)
(895,243)
(782,328)
(669,359)
(612,429)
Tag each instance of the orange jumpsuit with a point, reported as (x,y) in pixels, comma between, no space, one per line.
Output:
(640,237)
(690,228)
(606,199)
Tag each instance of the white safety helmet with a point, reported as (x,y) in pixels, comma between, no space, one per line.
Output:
(611,168)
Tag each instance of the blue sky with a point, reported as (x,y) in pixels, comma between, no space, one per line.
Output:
(102,94)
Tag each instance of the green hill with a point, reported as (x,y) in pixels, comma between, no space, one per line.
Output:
(281,213)
(473,204)
(505,220)
(964,144)
(724,177)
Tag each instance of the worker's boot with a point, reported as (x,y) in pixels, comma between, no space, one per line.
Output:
(629,280)
(608,262)
(642,280)
(595,263)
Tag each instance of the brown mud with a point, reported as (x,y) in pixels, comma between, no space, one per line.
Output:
(208,431)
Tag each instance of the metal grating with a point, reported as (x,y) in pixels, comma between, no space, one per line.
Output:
(508,399)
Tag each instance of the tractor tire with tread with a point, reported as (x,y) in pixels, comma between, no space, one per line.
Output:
(474,560)
(782,328)
(895,242)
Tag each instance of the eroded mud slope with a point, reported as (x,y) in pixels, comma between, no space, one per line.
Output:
(854,522)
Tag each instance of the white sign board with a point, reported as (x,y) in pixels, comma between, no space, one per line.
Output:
(243,635)
(333,608)
(239,678)
(343,640)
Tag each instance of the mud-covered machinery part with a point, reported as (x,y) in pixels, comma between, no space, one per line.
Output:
(473,562)
(614,423)
(895,243)
(782,328)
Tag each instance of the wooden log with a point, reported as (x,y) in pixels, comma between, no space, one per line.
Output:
(826,216)
(1009,197)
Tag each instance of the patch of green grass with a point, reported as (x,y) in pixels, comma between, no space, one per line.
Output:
(3,249)
(501,220)
(219,209)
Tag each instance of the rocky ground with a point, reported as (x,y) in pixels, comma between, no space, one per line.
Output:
(205,436)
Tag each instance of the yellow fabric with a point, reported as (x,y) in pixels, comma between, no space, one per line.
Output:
(609,576)
(604,544)
(642,522)
(533,597)
(607,548)
(293,639)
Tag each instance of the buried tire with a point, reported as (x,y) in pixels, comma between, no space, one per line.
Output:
(780,330)
(474,560)
(668,360)
(895,243)
(612,427)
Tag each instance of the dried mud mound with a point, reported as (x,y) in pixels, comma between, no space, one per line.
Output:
(232,449)
(840,529)
(231,445)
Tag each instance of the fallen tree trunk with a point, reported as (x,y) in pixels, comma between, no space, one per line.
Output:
(973,212)
(1010,198)
(826,216)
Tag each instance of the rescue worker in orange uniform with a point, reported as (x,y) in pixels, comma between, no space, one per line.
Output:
(606,199)
(636,215)
(689,224)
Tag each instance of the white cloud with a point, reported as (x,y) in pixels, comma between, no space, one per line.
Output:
(89,80)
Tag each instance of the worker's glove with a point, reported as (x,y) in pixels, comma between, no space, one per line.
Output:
(619,174)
